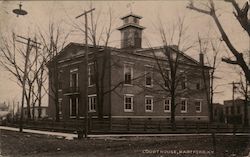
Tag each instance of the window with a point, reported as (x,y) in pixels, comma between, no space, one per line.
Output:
(149,104)
(198,106)
(137,35)
(167,105)
(60,106)
(198,85)
(91,74)
(183,106)
(73,106)
(167,78)
(92,103)
(60,80)
(128,74)
(148,77)
(126,38)
(226,110)
(126,20)
(74,78)
(184,83)
(135,20)
(128,102)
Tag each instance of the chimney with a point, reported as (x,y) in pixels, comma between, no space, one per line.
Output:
(201,58)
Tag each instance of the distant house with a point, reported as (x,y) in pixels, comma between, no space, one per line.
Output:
(234,111)
(44,112)
(4,110)
(130,67)
(218,114)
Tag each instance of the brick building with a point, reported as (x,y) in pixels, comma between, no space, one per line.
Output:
(234,111)
(218,113)
(128,80)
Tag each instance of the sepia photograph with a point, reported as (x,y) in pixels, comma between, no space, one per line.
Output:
(124,78)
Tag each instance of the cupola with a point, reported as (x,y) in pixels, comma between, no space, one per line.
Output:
(131,31)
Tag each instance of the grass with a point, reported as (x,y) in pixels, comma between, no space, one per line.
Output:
(25,144)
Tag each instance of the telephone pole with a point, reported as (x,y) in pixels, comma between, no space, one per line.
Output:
(30,43)
(85,13)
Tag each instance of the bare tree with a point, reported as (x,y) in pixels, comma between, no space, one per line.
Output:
(241,15)
(13,58)
(213,63)
(173,66)
(99,35)
(52,41)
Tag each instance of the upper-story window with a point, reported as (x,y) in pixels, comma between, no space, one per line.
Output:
(128,74)
(60,80)
(135,20)
(183,105)
(198,105)
(74,78)
(149,103)
(184,82)
(137,34)
(198,84)
(92,103)
(91,74)
(128,102)
(125,20)
(148,77)
(167,77)
(167,105)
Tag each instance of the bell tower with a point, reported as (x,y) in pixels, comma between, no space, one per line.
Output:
(131,31)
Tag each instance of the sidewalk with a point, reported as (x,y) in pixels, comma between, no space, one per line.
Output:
(72,136)
(65,135)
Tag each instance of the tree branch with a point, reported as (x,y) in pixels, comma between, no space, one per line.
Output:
(229,61)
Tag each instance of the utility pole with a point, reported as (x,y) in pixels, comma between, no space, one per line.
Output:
(86,64)
(233,91)
(30,43)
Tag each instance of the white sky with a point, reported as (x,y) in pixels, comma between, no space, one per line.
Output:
(40,13)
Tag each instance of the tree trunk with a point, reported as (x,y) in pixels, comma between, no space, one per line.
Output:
(28,104)
(246,110)
(172,120)
(39,102)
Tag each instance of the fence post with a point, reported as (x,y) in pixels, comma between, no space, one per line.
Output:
(234,129)
(208,127)
(110,123)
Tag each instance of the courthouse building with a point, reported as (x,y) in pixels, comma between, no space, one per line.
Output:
(132,85)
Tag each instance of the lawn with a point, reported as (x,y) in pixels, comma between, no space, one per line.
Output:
(25,144)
